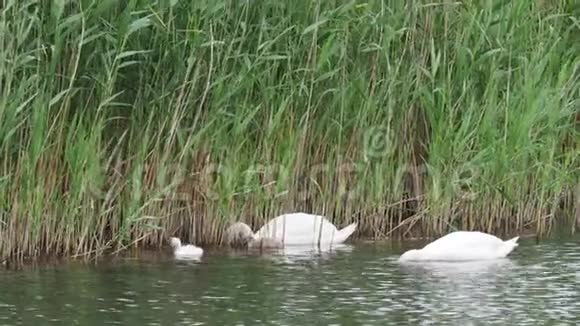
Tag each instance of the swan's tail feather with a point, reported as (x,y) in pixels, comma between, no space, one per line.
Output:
(509,246)
(346,232)
(513,241)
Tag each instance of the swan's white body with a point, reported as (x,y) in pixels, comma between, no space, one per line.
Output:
(187,251)
(292,229)
(305,229)
(462,246)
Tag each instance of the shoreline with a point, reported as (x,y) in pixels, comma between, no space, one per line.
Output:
(132,121)
(164,253)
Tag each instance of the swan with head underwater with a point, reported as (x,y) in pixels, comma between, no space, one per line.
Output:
(289,229)
(184,251)
(463,246)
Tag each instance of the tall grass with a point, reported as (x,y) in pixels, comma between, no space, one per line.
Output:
(123,122)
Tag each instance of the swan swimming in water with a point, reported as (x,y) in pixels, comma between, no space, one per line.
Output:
(187,251)
(462,246)
(289,229)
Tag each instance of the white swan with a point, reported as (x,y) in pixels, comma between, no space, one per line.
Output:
(462,246)
(291,229)
(187,251)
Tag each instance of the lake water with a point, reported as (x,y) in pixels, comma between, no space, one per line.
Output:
(360,284)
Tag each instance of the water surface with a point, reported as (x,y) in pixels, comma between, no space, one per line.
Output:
(360,284)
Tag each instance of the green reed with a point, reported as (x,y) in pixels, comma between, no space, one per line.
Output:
(124,122)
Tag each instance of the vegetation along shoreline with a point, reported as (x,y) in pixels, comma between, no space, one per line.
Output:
(125,123)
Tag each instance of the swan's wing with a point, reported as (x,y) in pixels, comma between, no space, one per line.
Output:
(465,239)
(299,228)
(191,250)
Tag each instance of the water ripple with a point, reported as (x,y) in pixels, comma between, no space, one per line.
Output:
(538,284)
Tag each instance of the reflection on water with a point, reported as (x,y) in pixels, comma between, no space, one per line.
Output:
(298,254)
(458,271)
(189,258)
(346,285)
